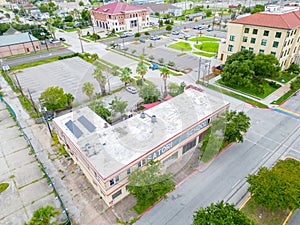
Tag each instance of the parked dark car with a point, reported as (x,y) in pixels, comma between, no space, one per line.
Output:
(62,39)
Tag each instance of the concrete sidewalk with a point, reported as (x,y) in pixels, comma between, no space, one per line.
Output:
(81,200)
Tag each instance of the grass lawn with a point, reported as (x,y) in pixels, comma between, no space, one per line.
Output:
(209,47)
(181,46)
(286,76)
(206,54)
(253,211)
(203,38)
(237,96)
(246,90)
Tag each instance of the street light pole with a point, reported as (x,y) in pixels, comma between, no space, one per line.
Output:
(43,110)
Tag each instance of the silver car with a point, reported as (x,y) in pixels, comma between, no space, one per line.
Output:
(132,90)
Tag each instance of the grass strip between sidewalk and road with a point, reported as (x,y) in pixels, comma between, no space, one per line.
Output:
(237,96)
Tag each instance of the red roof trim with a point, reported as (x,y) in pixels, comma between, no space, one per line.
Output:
(118,8)
(283,20)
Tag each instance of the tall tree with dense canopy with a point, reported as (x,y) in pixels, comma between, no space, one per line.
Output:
(277,187)
(100,78)
(54,98)
(237,123)
(98,107)
(150,184)
(149,93)
(266,66)
(220,214)
(43,216)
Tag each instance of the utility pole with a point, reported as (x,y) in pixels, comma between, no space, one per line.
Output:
(31,41)
(19,86)
(32,102)
(199,69)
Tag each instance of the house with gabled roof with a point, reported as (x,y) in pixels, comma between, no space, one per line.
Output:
(120,17)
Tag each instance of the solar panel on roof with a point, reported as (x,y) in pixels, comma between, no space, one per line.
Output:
(86,123)
(74,129)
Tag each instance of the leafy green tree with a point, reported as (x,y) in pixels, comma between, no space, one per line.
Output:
(100,78)
(278,187)
(149,93)
(54,98)
(125,75)
(240,56)
(295,84)
(81,3)
(43,216)
(258,8)
(293,68)
(160,23)
(266,66)
(70,99)
(237,123)
(98,107)
(88,89)
(68,18)
(220,214)
(86,15)
(117,105)
(3,27)
(208,12)
(149,185)
(169,28)
(175,89)
(164,73)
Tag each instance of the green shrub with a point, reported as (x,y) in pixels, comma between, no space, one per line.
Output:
(139,82)
(3,186)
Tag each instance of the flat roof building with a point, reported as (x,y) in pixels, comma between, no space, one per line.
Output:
(109,154)
(276,31)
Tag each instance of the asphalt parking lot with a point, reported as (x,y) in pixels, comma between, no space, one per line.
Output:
(158,49)
(69,74)
(28,188)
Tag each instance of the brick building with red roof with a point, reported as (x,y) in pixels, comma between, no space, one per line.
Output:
(121,17)
(276,32)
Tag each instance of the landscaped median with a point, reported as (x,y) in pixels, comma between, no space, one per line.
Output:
(204,46)
(274,193)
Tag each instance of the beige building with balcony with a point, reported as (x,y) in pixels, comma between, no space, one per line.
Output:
(107,154)
(275,32)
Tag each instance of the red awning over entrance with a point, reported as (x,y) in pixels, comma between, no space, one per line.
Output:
(150,105)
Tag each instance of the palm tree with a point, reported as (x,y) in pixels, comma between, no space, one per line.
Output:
(101,79)
(125,75)
(164,73)
(79,32)
(88,89)
(141,69)
(51,28)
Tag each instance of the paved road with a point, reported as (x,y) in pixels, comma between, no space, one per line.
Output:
(35,57)
(271,135)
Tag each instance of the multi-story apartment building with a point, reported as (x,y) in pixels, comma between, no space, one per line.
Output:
(274,32)
(107,154)
(121,17)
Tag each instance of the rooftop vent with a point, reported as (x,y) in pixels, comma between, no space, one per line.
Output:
(105,125)
(142,115)
(153,119)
